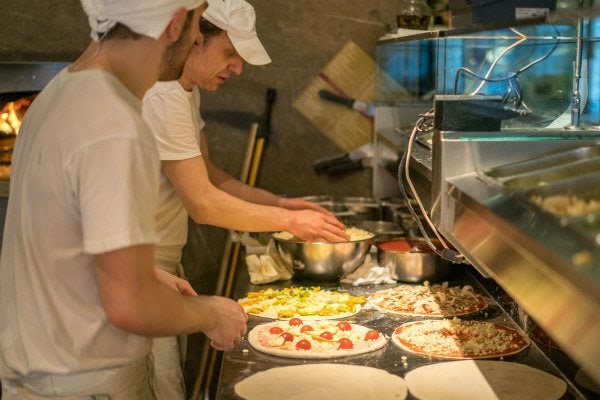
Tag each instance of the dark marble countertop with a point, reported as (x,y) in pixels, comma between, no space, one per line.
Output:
(245,361)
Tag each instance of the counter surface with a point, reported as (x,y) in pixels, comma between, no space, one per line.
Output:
(245,361)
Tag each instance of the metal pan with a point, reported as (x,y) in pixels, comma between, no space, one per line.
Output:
(585,188)
(544,162)
(418,264)
(552,174)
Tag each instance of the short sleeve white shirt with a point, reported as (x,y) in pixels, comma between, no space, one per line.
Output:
(84,182)
(173,113)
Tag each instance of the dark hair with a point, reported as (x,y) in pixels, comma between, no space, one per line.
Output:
(209,30)
(120,31)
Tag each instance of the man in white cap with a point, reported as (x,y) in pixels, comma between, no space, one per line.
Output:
(80,298)
(191,183)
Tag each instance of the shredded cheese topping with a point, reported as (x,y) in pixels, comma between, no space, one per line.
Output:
(456,338)
(356,234)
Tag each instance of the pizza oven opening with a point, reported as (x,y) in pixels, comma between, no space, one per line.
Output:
(13,107)
(19,85)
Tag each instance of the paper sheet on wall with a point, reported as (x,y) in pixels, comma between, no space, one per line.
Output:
(351,73)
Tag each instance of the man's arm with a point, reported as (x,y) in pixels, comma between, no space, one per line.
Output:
(234,187)
(207,204)
(136,300)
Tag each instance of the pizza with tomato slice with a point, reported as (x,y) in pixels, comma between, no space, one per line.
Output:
(428,300)
(303,302)
(459,339)
(315,339)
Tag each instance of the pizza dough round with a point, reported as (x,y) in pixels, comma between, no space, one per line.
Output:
(322,382)
(482,380)
(260,338)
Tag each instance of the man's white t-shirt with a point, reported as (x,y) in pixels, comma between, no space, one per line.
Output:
(84,182)
(174,116)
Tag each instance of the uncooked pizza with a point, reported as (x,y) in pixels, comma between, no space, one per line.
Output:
(458,339)
(429,300)
(314,339)
(304,302)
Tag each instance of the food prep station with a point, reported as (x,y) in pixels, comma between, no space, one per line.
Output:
(244,360)
(483,187)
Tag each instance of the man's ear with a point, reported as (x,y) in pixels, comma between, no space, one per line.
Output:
(175,26)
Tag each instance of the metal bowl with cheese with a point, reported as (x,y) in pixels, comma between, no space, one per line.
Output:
(324,261)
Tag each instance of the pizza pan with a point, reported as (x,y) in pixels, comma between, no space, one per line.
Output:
(413,261)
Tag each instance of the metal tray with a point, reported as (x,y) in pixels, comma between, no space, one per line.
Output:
(544,162)
(553,174)
(585,187)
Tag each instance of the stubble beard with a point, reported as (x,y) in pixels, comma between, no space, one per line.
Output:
(173,60)
(175,55)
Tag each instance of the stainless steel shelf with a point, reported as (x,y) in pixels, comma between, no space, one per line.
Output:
(547,266)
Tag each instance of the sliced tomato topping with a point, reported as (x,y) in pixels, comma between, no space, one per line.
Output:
(275,330)
(344,326)
(303,345)
(326,335)
(287,337)
(372,335)
(306,328)
(295,322)
(345,343)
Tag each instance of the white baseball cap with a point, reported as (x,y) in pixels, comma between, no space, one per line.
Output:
(238,19)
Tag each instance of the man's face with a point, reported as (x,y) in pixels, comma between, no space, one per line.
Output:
(176,53)
(210,64)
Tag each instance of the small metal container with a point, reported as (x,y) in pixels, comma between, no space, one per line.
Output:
(383,230)
(415,263)
(364,208)
(323,261)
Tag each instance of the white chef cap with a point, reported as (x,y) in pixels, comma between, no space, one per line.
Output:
(146,17)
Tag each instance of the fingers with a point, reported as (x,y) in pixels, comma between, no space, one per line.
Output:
(335,222)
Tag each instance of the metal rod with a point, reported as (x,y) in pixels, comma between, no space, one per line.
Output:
(576,100)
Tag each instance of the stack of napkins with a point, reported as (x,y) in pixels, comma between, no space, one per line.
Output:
(369,273)
(268,267)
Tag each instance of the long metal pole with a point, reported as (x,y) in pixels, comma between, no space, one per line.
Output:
(576,100)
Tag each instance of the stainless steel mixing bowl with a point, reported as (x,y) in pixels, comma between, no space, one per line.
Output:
(323,261)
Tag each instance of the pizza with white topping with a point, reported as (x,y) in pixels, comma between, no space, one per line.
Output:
(303,302)
(296,338)
(427,300)
(459,339)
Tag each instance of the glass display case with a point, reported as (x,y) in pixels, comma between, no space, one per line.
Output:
(501,128)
